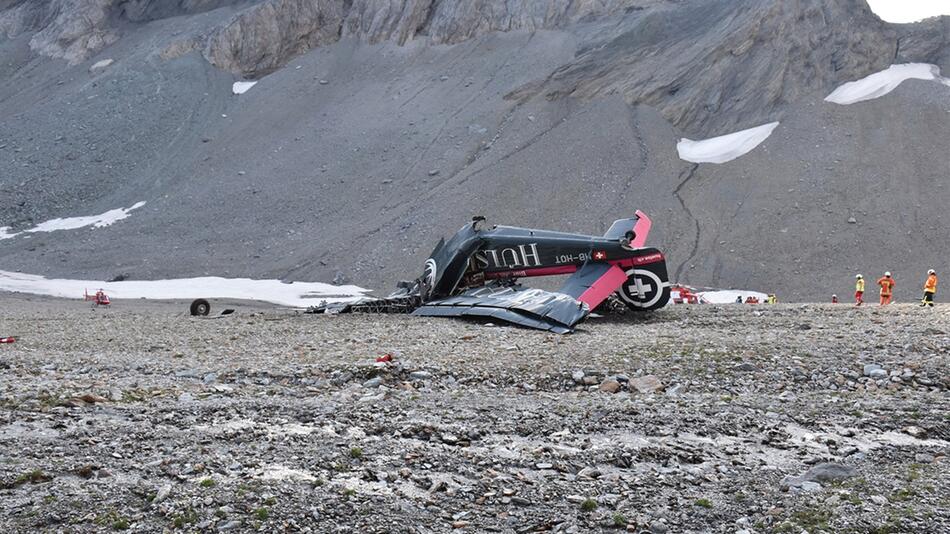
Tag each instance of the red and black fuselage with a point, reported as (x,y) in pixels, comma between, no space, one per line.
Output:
(616,262)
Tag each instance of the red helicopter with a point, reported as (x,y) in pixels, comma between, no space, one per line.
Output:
(98,299)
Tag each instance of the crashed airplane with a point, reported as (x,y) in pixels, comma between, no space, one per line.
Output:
(475,273)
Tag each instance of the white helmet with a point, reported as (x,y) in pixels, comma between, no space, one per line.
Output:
(887,273)
(858,276)
(931,271)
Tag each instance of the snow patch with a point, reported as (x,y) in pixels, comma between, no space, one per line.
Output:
(96,221)
(239,88)
(297,295)
(725,147)
(880,83)
(730,296)
(72,223)
(101,64)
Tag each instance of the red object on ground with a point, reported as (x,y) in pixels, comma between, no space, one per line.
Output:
(386,358)
(683,295)
(7,339)
(100,298)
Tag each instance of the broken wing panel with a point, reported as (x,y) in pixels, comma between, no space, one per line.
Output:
(533,308)
(594,282)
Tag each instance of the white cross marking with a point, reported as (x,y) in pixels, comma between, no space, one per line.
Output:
(640,288)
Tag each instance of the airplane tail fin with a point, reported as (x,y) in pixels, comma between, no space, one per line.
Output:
(635,230)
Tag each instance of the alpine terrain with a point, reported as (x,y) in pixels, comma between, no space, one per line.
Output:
(199,172)
(377,126)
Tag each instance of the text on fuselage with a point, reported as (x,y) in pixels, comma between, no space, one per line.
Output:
(520,256)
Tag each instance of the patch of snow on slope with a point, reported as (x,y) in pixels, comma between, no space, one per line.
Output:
(730,296)
(880,83)
(239,88)
(101,64)
(96,221)
(298,294)
(72,223)
(725,147)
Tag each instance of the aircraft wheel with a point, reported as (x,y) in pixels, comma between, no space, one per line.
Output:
(200,307)
(644,290)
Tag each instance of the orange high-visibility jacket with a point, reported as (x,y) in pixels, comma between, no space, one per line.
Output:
(931,285)
(887,285)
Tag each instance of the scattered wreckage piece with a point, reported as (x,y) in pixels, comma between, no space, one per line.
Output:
(201,308)
(534,308)
(475,273)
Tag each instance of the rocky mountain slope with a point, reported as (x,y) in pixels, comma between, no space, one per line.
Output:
(379,125)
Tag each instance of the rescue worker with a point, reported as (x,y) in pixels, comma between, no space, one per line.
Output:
(859,290)
(887,288)
(834,299)
(930,288)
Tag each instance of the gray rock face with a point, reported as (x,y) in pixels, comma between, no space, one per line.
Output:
(812,45)
(454,21)
(265,36)
(641,49)
(262,38)
(380,20)
(65,29)
(146,10)
(927,41)
(645,50)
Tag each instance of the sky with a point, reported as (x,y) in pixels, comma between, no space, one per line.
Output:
(909,10)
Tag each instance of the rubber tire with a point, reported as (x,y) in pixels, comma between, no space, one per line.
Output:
(200,307)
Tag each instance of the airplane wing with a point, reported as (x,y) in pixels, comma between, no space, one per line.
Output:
(594,282)
(534,308)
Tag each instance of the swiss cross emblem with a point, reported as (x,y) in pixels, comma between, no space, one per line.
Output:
(600,255)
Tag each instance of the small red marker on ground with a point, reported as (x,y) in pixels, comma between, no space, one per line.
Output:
(7,339)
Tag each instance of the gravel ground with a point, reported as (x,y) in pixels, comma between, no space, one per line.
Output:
(696,419)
